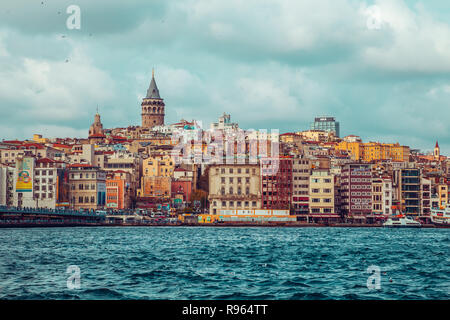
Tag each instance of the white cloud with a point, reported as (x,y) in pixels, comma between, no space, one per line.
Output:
(419,43)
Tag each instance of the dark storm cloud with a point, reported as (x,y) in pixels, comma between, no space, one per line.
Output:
(269,64)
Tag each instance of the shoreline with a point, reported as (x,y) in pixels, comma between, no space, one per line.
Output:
(221,225)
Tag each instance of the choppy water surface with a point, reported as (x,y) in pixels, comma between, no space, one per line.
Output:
(224,263)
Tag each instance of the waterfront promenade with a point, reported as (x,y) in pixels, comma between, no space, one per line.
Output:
(11,217)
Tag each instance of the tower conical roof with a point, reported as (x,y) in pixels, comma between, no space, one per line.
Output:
(153,92)
(437,144)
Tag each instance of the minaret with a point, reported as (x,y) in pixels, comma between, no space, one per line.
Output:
(437,151)
(152,106)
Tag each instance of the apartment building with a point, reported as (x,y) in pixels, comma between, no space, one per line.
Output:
(382,196)
(276,183)
(119,194)
(234,186)
(87,187)
(6,185)
(301,171)
(356,190)
(321,194)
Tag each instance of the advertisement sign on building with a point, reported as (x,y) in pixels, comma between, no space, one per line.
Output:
(24,169)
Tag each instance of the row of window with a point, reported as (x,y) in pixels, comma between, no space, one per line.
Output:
(318,190)
(81,176)
(43,188)
(231,180)
(361,186)
(324,200)
(367,194)
(231,191)
(238,204)
(43,196)
(43,180)
(361,180)
(85,199)
(361,207)
(238,170)
(318,180)
(84,186)
(321,210)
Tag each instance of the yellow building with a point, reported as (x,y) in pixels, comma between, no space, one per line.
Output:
(321,191)
(382,151)
(354,148)
(158,165)
(442,190)
(39,139)
(374,151)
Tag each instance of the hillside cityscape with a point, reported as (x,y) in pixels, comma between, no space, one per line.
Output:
(320,177)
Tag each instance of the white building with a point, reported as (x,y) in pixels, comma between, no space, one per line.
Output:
(382,196)
(6,186)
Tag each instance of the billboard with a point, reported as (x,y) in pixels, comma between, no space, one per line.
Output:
(24,168)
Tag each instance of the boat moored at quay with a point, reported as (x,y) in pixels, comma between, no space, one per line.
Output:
(401,221)
(441,216)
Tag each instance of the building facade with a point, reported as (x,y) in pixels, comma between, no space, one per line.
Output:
(356,190)
(276,183)
(87,187)
(321,193)
(234,187)
(301,171)
(328,124)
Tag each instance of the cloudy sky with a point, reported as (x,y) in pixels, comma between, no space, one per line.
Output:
(382,67)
